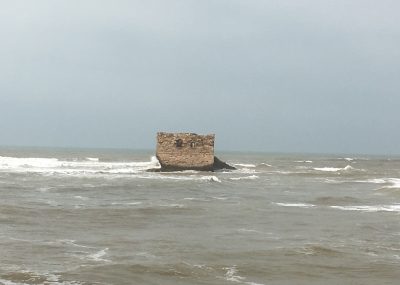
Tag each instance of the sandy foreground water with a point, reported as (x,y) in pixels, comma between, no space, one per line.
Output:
(97,217)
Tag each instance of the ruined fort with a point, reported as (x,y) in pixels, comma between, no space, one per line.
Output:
(187,151)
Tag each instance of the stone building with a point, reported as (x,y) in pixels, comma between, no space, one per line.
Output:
(183,151)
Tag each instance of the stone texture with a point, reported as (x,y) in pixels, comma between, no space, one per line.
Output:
(184,151)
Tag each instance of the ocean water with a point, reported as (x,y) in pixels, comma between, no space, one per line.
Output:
(97,217)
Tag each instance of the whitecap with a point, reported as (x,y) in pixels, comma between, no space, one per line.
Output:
(328,169)
(71,242)
(374,181)
(211,178)
(232,276)
(299,205)
(27,162)
(97,256)
(50,279)
(373,208)
(245,178)
(334,169)
(81,197)
(127,203)
(245,171)
(179,206)
(92,159)
(392,184)
(220,198)
(249,231)
(188,171)
(245,165)
(304,161)
(347,158)
(196,199)
(395,183)
(88,167)
(348,167)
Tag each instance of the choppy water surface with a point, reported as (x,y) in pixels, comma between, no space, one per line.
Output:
(97,217)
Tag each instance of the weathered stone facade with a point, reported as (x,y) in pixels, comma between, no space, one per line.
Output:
(182,151)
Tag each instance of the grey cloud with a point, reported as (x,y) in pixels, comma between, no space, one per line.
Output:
(304,76)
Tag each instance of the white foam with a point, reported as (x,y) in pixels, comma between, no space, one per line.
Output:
(210,178)
(97,256)
(71,242)
(220,198)
(245,164)
(299,205)
(90,166)
(81,198)
(50,279)
(29,162)
(179,206)
(196,199)
(395,183)
(373,208)
(328,169)
(249,231)
(304,161)
(334,169)
(245,171)
(245,178)
(232,276)
(8,282)
(348,167)
(92,159)
(265,164)
(347,158)
(375,181)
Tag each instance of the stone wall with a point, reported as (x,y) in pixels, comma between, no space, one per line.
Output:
(178,151)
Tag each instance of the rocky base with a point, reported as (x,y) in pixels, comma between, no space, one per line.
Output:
(218,165)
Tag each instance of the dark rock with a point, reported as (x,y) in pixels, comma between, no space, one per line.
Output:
(219,165)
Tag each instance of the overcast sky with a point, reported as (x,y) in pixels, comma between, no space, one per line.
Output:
(287,76)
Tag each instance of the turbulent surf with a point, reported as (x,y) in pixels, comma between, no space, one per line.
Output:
(72,216)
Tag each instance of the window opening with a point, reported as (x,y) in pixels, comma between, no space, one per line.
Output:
(178,143)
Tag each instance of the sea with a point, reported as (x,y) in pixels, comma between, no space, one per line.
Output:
(90,216)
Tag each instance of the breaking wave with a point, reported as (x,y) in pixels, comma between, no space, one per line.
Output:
(75,167)
(389,185)
(393,183)
(233,276)
(334,169)
(245,165)
(298,205)
(211,178)
(98,256)
(25,277)
(245,178)
(92,159)
(373,208)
